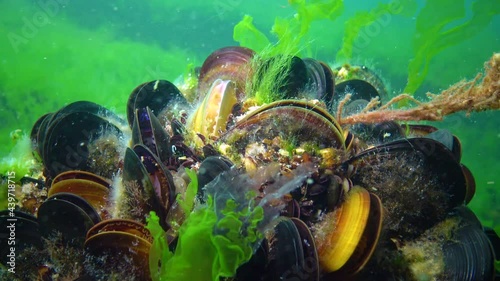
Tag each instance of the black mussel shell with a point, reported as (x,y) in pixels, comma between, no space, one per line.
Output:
(287,256)
(209,169)
(468,255)
(161,96)
(293,81)
(67,215)
(37,134)
(320,80)
(359,89)
(417,179)
(379,133)
(67,141)
(24,227)
(360,81)
(255,268)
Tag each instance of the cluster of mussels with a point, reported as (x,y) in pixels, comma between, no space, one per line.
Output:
(373,201)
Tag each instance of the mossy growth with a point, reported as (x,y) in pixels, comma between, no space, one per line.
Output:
(274,60)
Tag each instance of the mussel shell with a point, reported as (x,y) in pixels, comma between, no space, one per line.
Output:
(68,138)
(37,134)
(89,107)
(348,247)
(470,183)
(320,80)
(81,202)
(400,171)
(147,130)
(161,179)
(372,87)
(82,175)
(121,225)
(284,120)
(359,89)
(210,168)
(469,255)
(67,218)
(288,84)
(86,186)
(228,63)
(442,135)
(255,268)
(120,251)
(212,115)
(26,232)
(161,96)
(288,258)
(134,170)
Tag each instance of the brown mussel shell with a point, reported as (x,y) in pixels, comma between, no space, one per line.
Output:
(92,188)
(229,63)
(286,119)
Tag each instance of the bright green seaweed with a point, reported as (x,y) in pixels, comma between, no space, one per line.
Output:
(212,229)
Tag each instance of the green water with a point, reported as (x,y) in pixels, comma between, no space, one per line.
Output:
(56,52)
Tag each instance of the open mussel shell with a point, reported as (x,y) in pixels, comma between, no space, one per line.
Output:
(92,188)
(163,98)
(148,185)
(147,130)
(229,63)
(70,141)
(292,252)
(346,241)
(286,119)
(68,215)
(161,179)
(119,246)
(19,230)
(400,171)
(321,82)
(212,115)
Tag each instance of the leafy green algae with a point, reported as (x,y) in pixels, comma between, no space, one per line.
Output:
(214,240)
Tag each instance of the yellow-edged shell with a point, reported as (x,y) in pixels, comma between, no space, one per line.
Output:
(211,117)
(354,235)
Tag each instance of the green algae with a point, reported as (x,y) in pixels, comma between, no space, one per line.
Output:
(362,19)
(223,250)
(53,62)
(434,34)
